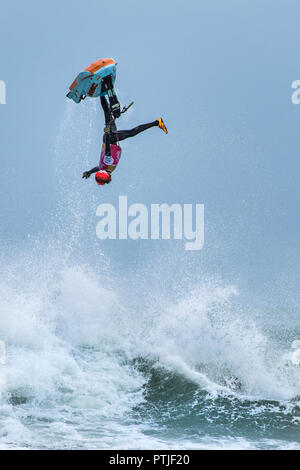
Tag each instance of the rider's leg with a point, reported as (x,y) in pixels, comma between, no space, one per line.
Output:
(116,136)
(107,85)
(106,109)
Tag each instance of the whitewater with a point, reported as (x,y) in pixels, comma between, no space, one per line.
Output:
(103,358)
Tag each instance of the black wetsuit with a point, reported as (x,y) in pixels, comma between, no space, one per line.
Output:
(114,136)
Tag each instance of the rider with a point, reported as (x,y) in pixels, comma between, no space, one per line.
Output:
(111,150)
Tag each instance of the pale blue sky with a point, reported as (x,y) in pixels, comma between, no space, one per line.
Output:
(219,72)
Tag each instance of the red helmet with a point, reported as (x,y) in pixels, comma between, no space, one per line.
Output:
(102,177)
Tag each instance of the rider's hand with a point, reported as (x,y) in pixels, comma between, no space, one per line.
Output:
(86,174)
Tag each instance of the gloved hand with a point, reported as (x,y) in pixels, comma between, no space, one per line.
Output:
(86,174)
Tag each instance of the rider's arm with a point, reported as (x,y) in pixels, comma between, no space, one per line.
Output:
(87,174)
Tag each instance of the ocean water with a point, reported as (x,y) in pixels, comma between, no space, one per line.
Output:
(97,358)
